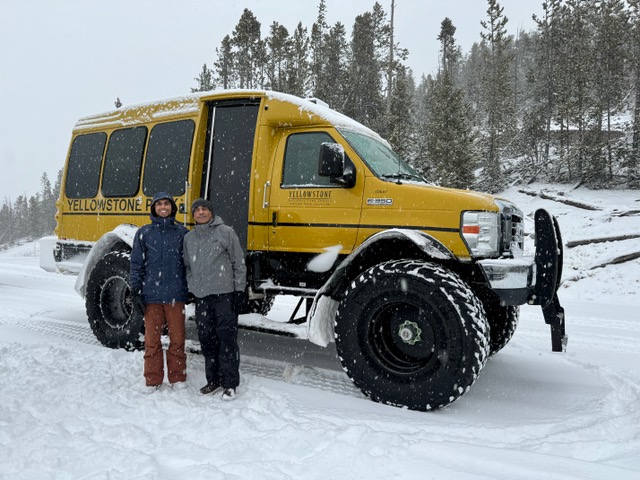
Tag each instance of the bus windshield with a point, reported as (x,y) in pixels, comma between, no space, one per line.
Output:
(383,162)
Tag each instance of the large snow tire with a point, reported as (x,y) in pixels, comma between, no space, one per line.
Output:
(411,334)
(503,321)
(114,321)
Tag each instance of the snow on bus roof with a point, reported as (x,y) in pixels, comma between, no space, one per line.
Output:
(323,111)
(189,104)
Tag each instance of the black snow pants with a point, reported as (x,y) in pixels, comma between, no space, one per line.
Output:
(218,333)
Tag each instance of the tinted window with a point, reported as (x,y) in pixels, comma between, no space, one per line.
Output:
(83,170)
(122,163)
(301,160)
(167,163)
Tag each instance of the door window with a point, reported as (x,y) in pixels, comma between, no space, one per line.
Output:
(301,160)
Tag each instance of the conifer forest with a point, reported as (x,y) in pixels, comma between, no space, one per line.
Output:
(560,103)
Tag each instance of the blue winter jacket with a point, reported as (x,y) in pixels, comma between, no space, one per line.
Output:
(157,268)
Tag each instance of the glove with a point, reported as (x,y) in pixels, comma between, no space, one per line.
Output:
(137,302)
(238,301)
(190,298)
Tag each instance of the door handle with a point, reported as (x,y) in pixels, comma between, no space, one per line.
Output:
(274,219)
(265,195)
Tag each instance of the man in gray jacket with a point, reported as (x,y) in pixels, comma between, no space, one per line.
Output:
(217,277)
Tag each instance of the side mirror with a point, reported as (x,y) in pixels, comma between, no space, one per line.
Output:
(331,161)
(335,164)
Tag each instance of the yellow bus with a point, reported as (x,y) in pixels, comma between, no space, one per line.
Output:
(417,285)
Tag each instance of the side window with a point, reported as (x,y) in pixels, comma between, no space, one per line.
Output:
(83,169)
(301,160)
(168,153)
(122,164)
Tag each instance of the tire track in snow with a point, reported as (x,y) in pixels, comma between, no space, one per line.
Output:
(307,376)
(302,375)
(54,327)
(592,340)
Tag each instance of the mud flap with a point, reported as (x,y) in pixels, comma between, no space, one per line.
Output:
(549,264)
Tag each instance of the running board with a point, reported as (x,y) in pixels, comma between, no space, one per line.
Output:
(258,323)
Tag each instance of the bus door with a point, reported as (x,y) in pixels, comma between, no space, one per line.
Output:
(227,169)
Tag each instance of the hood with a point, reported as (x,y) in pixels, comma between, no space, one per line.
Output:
(163,196)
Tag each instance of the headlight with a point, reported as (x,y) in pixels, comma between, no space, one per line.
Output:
(481,231)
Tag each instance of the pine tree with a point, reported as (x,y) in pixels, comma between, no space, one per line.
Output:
(449,51)
(58,185)
(543,78)
(470,77)
(497,92)
(298,71)
(319,83)
(6,223)
(47,208)
(248,48)
(365,103)
(448,131)
(279,47)
(421,102)
(204,81)
(633,159)
(575,58)
(224,67)
(401,127)
(609,72)
(20,214)
(335,68)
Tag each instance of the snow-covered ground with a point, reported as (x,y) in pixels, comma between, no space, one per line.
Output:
(71,408)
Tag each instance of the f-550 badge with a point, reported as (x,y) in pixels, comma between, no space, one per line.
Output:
(379,201)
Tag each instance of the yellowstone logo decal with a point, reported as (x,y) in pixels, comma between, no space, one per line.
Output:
(107,206)
(309,197)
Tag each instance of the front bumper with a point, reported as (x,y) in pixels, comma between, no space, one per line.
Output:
(512,280)
(534,280)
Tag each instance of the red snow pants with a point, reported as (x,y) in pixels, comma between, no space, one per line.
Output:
(155,316)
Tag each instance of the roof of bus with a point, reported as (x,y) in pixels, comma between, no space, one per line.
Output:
(190,105)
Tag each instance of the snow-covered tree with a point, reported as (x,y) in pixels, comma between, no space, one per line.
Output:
(497,93)
(448,132)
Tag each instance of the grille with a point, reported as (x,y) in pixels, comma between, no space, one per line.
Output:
(512,231)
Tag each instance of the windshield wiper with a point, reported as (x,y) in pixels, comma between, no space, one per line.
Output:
(403,176)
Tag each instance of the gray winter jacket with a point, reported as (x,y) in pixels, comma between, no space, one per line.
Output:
(214,259)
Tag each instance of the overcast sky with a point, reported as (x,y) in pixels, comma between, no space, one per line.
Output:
(64,59)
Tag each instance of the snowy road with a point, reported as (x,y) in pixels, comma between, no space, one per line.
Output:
(71,408)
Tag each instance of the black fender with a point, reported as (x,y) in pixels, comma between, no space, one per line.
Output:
(321,315)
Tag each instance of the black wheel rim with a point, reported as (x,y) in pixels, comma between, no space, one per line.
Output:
(402,339)
(115,302)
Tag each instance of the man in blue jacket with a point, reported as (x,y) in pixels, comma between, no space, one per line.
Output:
(159,289)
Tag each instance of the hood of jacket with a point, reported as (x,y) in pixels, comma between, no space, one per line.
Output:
(163,196)
(214,222)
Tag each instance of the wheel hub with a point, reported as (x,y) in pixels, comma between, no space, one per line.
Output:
(410,332)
